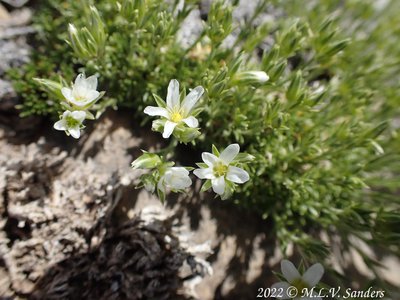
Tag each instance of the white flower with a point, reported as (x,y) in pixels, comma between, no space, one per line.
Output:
(220,169)
(71,123)
(309,280)
(176,178)
(83,93)
(176,112)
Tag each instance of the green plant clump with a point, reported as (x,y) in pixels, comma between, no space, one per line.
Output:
(322,128)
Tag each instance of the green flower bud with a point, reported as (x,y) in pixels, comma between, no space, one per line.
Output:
(148,182)
(89,42)
(53,88)
(186,134)
(146,161)
(76,42)
(251,78)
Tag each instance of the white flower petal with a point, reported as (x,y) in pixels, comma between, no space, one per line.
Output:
(66,114)
(67,93)
(262,76)
(281,289)
(191,122)
(173,94)
(92,95)
(177,178)
(313,275)
(168,129)
(179,170)
(229,153)
(184,183)
(209,158)
(289,271)
(80,81)
(74,132)
(218,185)
(237,175)
(60,125)
(79,115)
(85,97)
(79,104)
(156,111)
(91,82)
(204,173)
(191,99)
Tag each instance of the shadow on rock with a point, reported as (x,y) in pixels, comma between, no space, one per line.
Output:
(134,261)
(241,242)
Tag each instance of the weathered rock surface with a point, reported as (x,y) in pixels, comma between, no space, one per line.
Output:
(69,210)
(59,197)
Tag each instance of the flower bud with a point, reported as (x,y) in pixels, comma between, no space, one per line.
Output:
(251,77)
(146,161)
(51,87)
(72,29)
(97,30)
(186,134)
(89,42)
(76,42)
(148,182)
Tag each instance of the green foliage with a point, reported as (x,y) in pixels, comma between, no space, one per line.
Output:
(50,59)
(321,129)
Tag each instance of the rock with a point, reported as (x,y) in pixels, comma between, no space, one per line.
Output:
(17,18)
(132,262)
(8,98)
(191,28)
(4,15)
(14,53)
(65,206)
(16,3)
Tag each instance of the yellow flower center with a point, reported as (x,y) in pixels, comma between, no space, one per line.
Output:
(176,117)
(299,284)
(220,169)
(78,95)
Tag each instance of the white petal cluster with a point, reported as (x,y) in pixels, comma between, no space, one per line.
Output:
(71,123)
(177,112)
(79,99)
(309,279)
(175,178)
(83,93)
(219,169)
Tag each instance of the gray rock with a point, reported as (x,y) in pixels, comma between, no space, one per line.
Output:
(14,53)
(16,3)
(14,50)
(8,98)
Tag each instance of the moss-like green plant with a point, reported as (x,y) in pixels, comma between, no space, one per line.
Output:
(321,128)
